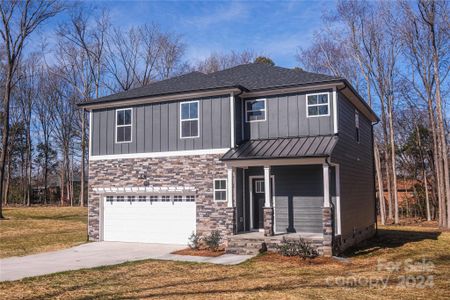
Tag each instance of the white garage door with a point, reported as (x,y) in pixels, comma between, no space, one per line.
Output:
(149,219)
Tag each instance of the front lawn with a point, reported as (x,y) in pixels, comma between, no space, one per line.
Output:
(382,261)
(29,230)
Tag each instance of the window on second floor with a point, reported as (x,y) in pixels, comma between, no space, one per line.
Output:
(357,132)
(255,110)
(317,105)
(189,119)
(124,120)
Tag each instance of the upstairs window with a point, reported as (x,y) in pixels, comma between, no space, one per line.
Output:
(123,125)
(189,120)
(357,132)
(317,105)
(220,190)
(255,110)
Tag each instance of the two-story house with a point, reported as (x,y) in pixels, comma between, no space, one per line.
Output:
(251,149)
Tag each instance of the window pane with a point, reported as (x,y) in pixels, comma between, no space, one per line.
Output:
(120,117)
(127,133)
(312,99)
(194,128)
(184,111)
(185,129)
(323,98)
(193,110)
(323,110)
(255,115)
(312,111)
(220,195)
(255,105)
(127,118)
(120,134)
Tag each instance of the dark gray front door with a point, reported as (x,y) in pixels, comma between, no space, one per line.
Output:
(258,203)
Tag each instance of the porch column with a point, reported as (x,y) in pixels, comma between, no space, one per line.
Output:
(327,214)
(326,185)
(231,209)
(230,186)
(268,209)
(267,187)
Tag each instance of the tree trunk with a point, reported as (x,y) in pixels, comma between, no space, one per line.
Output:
(5,133)
(380,184)
(29,166)
(393,157)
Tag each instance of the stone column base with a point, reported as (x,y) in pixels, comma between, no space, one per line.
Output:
(231,221)
(268,221)
(327,218)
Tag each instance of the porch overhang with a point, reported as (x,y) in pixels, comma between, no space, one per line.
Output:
(281,151)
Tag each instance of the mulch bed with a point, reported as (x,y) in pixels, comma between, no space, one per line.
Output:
(295,260)
(200,252)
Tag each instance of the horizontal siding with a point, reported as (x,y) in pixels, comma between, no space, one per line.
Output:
(286,117)
(156,128)
(356,169)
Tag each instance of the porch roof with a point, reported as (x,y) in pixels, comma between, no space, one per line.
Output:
(295,147)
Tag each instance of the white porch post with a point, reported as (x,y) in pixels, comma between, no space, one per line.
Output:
(338,199)
(267,186)
(230,182)
(326,186)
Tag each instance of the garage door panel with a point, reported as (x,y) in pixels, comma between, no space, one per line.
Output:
(156,222)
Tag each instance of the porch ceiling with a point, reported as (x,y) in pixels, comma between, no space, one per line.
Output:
(296,147)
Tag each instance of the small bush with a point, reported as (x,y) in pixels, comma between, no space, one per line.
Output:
(300,248)
(194,241)
(213,240)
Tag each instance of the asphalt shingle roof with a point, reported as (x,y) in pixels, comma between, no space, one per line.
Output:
(250,77)
(309,146)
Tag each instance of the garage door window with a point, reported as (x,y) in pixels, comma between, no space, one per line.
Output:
(220,190)
(142,198)
(190,198)
(165,198)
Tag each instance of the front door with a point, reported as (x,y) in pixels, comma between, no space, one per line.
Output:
(258,197)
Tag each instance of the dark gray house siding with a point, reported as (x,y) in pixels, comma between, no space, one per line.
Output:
(356,169)
(156,128)
(286,117)
(298,197)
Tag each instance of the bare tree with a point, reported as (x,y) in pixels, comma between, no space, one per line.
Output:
(19,20)
(435,15)
(219,61)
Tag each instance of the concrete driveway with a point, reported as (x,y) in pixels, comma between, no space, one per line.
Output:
(97,254)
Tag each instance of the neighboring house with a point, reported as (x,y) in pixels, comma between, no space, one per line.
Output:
(253,148)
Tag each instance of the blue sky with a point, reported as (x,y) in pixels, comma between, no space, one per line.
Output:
(272,28)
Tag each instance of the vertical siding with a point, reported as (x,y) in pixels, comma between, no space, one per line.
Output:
(286,117)
(356,169)
(156,128)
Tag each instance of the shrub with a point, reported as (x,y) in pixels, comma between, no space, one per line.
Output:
(194,241)
(300,248)
(213,240)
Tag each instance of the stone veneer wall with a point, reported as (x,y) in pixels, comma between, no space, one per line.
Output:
(197,171)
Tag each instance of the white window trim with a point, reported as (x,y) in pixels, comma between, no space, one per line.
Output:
(131,126)
(322,104)
(246,111)
(194,119)
(220,190)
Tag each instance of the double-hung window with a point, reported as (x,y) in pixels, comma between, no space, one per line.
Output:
(189,119)
(220,190)
(318,105)
(255,110)
(124,120)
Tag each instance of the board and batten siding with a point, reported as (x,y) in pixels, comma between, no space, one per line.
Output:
(156,128)
(286,117)
(356,169)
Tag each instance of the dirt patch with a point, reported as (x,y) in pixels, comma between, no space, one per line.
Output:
(200,252)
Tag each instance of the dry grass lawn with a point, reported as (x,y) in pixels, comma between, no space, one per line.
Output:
(265,277)
(28,230)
